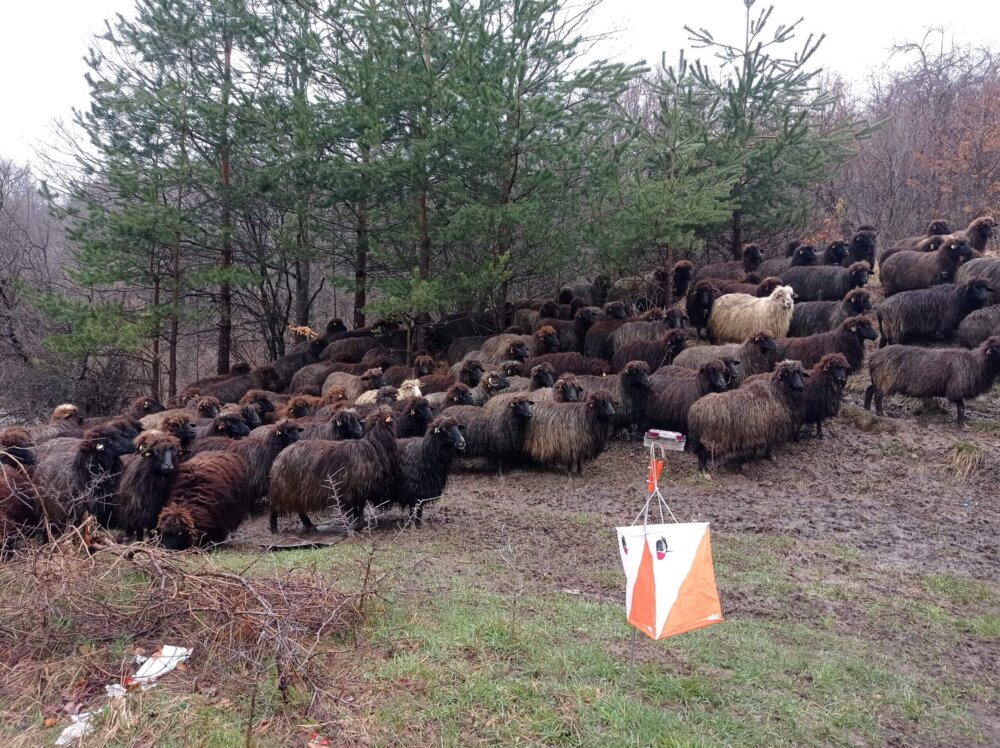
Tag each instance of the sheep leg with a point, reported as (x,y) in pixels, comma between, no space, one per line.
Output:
(819,429)
(306,522)
(961,412)
(869,391)
(878,402)
(274,521)
(579,467)
(702,457)
(769,455)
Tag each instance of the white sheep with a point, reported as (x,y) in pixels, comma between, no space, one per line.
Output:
(736,317)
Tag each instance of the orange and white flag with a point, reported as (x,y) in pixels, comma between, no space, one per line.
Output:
(670,581)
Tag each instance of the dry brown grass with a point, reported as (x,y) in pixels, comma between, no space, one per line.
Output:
(964,458)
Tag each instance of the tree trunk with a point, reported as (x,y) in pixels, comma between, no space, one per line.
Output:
(737,245)
(424,234)
(303,272)
(225,290)
(154,379)
(361,266)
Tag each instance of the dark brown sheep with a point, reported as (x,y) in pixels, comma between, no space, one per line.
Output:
(823,390)
(848,339)
(699,304)
(825,282)
(140,408)
(470,374)
(864,244)
(803,256)
(757,354)
(937,227)
(978,233)
(299,406)
(494,433)
(181,428)
(331,402)
(232,389)
(210,498)
(811,317)
(572,333)
(987,268)
(422,367)
(342,425)
(491,384)
(760,289)
(229,425)
(64,421)
(542,375)
(654,353)
(646,332)
(285,367)
(314,375)
(954,373)
(74,476)
(930,244)
(424,464)
(681,279)
(594,293)
(573,363)
(411,415)
(19,506)
(929,314)
(145,483)
(759,415)
(730,368)
(199,407)
(630,390)
(311,475)
(348,350)
(457,394)
(837,252)
(568,434)
(752,258)
(354,385)
(980,325)
(259,450)
(906,271)
(671,399)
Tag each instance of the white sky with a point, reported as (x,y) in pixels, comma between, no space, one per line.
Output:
(43,42)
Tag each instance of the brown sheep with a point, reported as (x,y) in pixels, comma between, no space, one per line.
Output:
(145,483)
(469,374)
(752,258)
(803,256)
(937,227)
(848,339)
(422,367)
(457,394)
(572,333)
(285,367)
(930,313)
(978,233)
(210,498)
(310,475)
(573,363)
(811,317)
(759,415)
(340,426)
(348,350)
(568,434)
(494,433)
(930,244)
(757,354)
(730,372)
(979,325)
(654,353)
(232,389)
(354,386)
(907,271)
(759,289)
(825,282)
(630,390)
(823,390)
(954,373)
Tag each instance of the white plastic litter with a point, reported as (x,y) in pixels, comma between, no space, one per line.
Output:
(162,662)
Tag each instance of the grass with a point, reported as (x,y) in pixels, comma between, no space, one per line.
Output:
(865,420)
(964,458)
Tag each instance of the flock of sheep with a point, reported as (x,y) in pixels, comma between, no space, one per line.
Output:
(351,419)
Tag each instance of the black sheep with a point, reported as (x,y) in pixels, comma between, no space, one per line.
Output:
(803,256)
(145,483)
(423,465)
(863,247)
(752,258)
(730,371)
(699,303)
(987,268)
(825,282)
(930,313)
(630,390)
(955,373)
(470,374)
(823,390)
(979,325)
(572,333)
(496,433)
(811,317)
(340,426)
(672,398)
(286,366)
(756,355)
(930,244)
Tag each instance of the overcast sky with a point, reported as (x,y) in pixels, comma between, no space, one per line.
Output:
(43,42)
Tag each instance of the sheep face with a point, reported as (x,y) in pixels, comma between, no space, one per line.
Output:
(67,412)
(544,374)
(790,374)
(174,534)
(521,408)
(207,407)
(716,372)
(676,319)
(164,456)
(231,426)
(386,396)
(676,341)
(636,374)
(566,390)
(107,441)
(460,395)
(683,271)
(615,310)
(518,352)
(863,245)
(548,310)
(991,350)
(181,428)
(978,293)
(837,368)
(586,316)
(348,425)
(940,226)
(784,297)
(767,286)
(985,227)
(859,301)
(512,368)
(259,398)
(837,252)
(804,254)
(495,382)
(449,433)
(150,405)
(251,417)
(959,251)
(602,403)
(752,256)
(859,274)
(335,326)
(764,342)
(549,339)
(421,411)
(424,366)
(287,433)
(372,379)
(861,327)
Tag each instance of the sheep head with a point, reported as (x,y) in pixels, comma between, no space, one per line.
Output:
(448,431)
(860,326)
